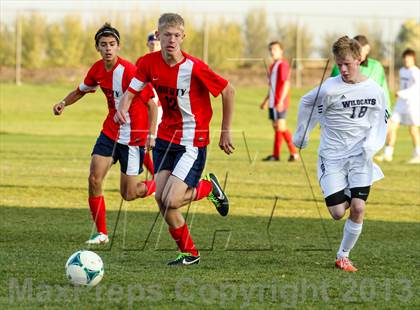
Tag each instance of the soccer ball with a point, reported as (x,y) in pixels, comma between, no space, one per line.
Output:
(84,268)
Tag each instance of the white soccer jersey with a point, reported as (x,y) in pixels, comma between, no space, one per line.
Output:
(407,107)
(409,93)
(352,118)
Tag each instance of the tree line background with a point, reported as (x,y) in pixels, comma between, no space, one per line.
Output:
(69,43)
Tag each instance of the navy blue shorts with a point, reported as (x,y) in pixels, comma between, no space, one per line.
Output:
(184,162)
(274,115)
(130,157)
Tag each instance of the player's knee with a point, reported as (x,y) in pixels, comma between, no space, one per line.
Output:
(338,213)
(282,127)
(94,181)
(357,207)
(172,202)
(128,195)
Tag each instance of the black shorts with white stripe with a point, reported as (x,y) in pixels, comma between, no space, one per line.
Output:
(184,162)
(130,157)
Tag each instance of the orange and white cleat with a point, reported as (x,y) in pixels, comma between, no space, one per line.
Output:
(344,263)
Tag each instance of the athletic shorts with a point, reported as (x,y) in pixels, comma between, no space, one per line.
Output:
(405,115)
(347,173)
(130,157)
(185,162)
(274,115)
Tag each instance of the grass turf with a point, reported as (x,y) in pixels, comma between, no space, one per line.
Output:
(275,249)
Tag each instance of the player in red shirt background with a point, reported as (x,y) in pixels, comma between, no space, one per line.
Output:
(277,99)
(153,44)
(183,84)
(123,143)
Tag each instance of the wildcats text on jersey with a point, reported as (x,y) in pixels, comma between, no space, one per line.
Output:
(358,102)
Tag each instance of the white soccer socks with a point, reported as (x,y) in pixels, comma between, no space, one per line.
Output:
(388,151)
(351,233)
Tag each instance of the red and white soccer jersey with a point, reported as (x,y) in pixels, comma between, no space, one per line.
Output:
(183,91)
(155,98)
(279,73)
(113,84)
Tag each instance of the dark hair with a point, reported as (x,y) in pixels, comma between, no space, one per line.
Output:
(363,41)
(409,52)
(275,43)
(105,31)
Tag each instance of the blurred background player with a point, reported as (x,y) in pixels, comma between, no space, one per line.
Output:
(370,67)
(183,84)
(277,100)
(351,109)
(153,45)
(153,42)
(124,143)
(407,109)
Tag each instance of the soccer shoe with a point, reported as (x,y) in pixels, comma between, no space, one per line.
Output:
(271,158)
(184,259)
(98,238)
(414,160)
(217,196)
(383,157)
(344,263)
(294,157)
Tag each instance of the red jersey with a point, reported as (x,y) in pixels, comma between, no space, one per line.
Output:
(279,74)
(183,91)
(113,84)
(156,98)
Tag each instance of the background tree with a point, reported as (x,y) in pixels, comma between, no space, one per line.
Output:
(7,45)
(288,33)
(226,42)
(373,33)
(256,34)
(33,41)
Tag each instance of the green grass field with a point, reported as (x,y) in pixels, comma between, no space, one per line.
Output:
(249,260)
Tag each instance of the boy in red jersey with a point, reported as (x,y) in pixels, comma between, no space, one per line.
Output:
(123,143)
(183,84)
(278,100)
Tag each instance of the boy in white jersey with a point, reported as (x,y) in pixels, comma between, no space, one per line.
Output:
(407,108)
(351,110)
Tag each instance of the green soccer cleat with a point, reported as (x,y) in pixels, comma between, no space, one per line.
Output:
(184,259)
(217,196)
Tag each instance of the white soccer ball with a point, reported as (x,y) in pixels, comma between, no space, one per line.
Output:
(84,268)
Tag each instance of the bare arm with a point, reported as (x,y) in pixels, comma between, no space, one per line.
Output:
(124,106)
(228,97)
(71,98)
(153,112)
(264,103)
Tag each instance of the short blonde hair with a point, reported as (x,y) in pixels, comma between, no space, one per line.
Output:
(171,19)
(345,46)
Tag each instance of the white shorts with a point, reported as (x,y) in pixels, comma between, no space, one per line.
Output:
(405,115)
(336,175)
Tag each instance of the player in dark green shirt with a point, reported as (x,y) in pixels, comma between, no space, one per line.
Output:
(369,67)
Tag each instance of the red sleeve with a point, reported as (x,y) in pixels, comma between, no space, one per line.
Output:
(130,72)
(284,72)
(89,84)
(148,92)
(214,82)
(140,77)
